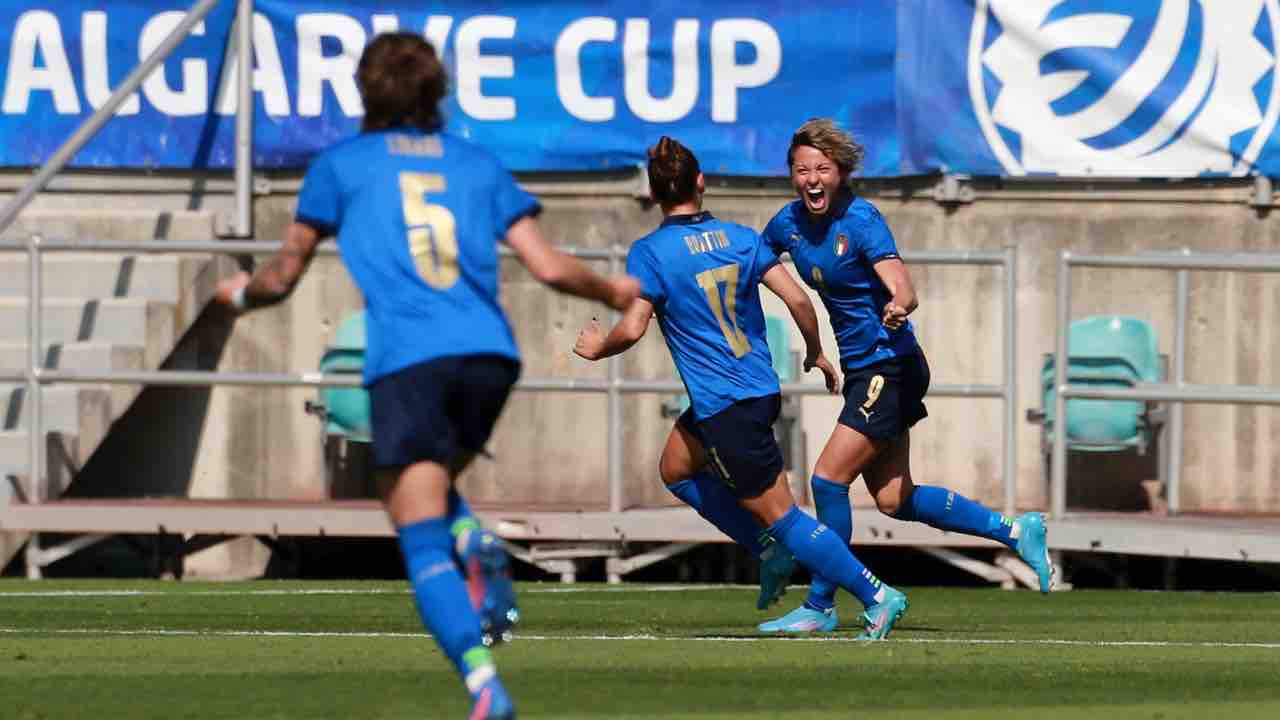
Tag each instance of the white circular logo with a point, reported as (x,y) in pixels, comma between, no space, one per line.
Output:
(1175,88)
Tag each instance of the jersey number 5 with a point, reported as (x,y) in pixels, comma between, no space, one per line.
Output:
(433,239)
(710,281)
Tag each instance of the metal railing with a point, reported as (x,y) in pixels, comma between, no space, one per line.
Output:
(614,386)
(1177,391)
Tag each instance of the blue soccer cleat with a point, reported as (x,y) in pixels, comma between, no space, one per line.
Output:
(880,618)
(776,567)
(1033,547)
(492,703)
(802,620)
(489,585)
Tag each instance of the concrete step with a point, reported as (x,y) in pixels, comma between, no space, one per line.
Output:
(61,407)
(61,451)
(117,321)
(75,356)
(95,275)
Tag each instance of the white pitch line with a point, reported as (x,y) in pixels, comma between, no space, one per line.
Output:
(202,593)
(162,632)
(347,591)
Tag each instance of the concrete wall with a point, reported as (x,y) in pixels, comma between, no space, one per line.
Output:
(550,449)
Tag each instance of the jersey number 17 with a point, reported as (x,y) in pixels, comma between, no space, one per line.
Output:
(726,315)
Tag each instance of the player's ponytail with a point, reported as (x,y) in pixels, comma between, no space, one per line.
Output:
(401,82)
(673,172)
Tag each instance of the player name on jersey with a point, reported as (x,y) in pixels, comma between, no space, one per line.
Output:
(706,241)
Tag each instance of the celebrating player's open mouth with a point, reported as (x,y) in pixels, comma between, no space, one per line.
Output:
(816,178)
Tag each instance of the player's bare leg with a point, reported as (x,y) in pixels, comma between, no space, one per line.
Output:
(819,550)
(419,501)
(683,467)
(847,451)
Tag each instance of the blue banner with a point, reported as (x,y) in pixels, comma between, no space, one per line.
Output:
(547,86)
(1147,88)
(1151,88)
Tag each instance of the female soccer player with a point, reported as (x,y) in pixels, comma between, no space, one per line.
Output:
(701,277)
(842,248)
(418,214)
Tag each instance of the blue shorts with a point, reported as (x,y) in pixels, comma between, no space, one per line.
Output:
(884,399)
(740,445)
(438,409)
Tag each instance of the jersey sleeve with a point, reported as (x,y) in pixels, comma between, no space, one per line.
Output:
(511,202)
(643,266)
(320,198)
(766,257)
(875,242)
(775,236)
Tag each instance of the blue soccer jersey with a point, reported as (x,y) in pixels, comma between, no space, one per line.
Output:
(703,277)
(836,257)
(418,219)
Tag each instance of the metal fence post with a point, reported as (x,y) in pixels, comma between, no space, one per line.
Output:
(35,403)
(1010,379)
(615,405)
(1173,494)
(1058,470)
(244,119)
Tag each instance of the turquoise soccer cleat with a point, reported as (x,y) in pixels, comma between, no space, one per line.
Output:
(880,618)
(489,585)
(493,703)
(801,620)
(776,566)
(1033,547)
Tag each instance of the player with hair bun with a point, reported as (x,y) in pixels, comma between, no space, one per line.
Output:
(700,276)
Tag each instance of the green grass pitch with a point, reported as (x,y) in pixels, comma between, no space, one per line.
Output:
(128,649)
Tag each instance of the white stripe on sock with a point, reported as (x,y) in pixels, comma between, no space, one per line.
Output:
(478,677)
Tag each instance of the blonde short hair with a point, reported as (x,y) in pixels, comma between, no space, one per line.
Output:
(829,139)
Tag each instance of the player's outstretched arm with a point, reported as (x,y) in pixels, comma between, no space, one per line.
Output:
(893,273)
(565,272)
(272,282)
(594,344)
(780,283)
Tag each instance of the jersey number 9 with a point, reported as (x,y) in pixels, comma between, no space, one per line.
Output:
(726,315)
(433,239)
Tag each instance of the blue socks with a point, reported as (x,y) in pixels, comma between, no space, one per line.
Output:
(442,600)
(822,552)
(460,521)
(946,510)
(705,493)
(832,500)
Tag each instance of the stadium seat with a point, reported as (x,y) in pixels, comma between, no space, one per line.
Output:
(345,414)
(346,408)
(779,337)
(1104,351)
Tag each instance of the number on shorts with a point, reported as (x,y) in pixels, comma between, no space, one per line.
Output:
(873,391)
(710,281)
(433,239)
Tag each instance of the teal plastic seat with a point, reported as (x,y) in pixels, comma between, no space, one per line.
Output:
(776,332)
(347,408)
(1104,351)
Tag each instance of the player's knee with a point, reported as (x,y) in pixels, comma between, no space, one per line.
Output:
(669,471)
(888,503)
(891,498)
